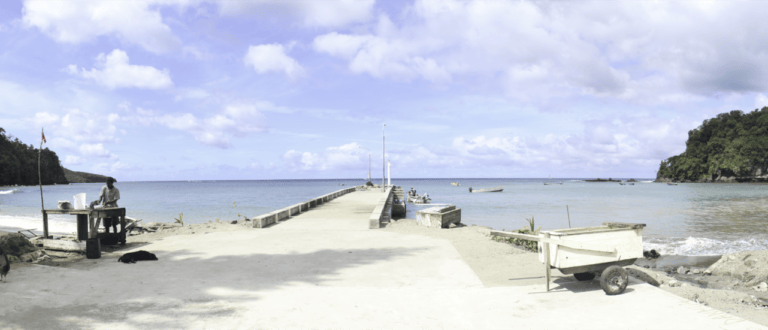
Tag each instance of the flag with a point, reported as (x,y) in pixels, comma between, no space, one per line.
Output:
(44,141)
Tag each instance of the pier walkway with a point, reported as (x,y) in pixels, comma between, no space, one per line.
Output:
(324,269)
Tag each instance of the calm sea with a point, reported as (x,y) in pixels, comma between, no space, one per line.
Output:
(687,219)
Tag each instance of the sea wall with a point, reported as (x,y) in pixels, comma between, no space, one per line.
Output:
(265,220)
(383,210)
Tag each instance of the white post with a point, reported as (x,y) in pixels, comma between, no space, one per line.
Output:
(369,161)
(389,173)
(383,157)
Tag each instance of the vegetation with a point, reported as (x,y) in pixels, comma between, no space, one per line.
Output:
(524,243)
(732,144)
(18,163)
(180,219)
(82,177)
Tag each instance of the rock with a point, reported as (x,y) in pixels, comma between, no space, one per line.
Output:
(674,283)
(707,272)
(234,222)
(16,245)
(696,271)
(682,270)
(32,256)
(652,254)
(762,287)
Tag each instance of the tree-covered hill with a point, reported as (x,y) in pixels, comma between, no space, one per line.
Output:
(18,163)
(730,147)
(82,177)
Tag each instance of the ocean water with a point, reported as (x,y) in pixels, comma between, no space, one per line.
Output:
(687,219)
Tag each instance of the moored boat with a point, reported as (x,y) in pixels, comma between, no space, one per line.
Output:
(456,184)
(497,189)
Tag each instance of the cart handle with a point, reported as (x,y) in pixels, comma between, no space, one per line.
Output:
(568,244)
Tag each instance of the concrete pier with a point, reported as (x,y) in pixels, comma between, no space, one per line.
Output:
(321,269)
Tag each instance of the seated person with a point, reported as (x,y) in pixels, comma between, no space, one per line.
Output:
(108,197)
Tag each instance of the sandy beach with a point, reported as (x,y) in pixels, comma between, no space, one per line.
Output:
(209,275)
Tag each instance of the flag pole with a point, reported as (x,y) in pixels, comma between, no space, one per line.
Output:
(39,176)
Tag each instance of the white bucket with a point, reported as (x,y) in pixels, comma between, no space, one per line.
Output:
(80,201)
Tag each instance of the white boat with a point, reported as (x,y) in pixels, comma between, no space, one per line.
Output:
(456,184)
(497,189)
(419,199)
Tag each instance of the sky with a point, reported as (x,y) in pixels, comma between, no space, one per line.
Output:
(237,90)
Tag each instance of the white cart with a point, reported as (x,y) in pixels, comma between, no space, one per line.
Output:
(590,251)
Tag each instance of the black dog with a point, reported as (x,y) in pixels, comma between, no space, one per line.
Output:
(133,257)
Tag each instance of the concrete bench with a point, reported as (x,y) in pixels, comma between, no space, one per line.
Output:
(439,216)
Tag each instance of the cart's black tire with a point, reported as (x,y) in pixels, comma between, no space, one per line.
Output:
(584,276)
(614,280)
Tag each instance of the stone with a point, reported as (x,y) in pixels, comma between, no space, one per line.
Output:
(674,283)
(682,270)
(16,245)
(696,271)
(762,287)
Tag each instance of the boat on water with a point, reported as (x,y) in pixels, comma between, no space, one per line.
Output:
(671,184)
(497,189)
(419,199)
(551,183)
(456,184)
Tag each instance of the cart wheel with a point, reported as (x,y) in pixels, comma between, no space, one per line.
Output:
(584,276)
(614,280)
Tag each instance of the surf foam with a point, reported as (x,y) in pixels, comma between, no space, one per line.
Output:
(698,246)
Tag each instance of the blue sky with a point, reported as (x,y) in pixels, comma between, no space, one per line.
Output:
(179,90)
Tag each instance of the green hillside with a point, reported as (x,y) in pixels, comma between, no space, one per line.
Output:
(18,163)
(82,177)
(730,147)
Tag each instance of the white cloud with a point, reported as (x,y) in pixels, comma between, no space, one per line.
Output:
(95,150)
(116,72)
(761,101)
(345,157)
(236,120)
(272,58)
(337,13)
(72,160)
(134,22)
(655,52)
(76,125)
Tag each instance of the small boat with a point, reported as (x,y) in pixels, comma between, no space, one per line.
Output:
(622,183)
(671,184)
(419,199)
(497,189)
(631,183)
(341,184)
(456,184)
(549,183)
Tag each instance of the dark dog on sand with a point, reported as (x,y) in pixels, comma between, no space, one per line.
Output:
(133,257)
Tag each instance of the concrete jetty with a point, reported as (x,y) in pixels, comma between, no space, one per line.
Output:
(324,268)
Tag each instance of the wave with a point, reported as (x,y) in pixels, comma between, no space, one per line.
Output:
(698,246)
(6,192)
